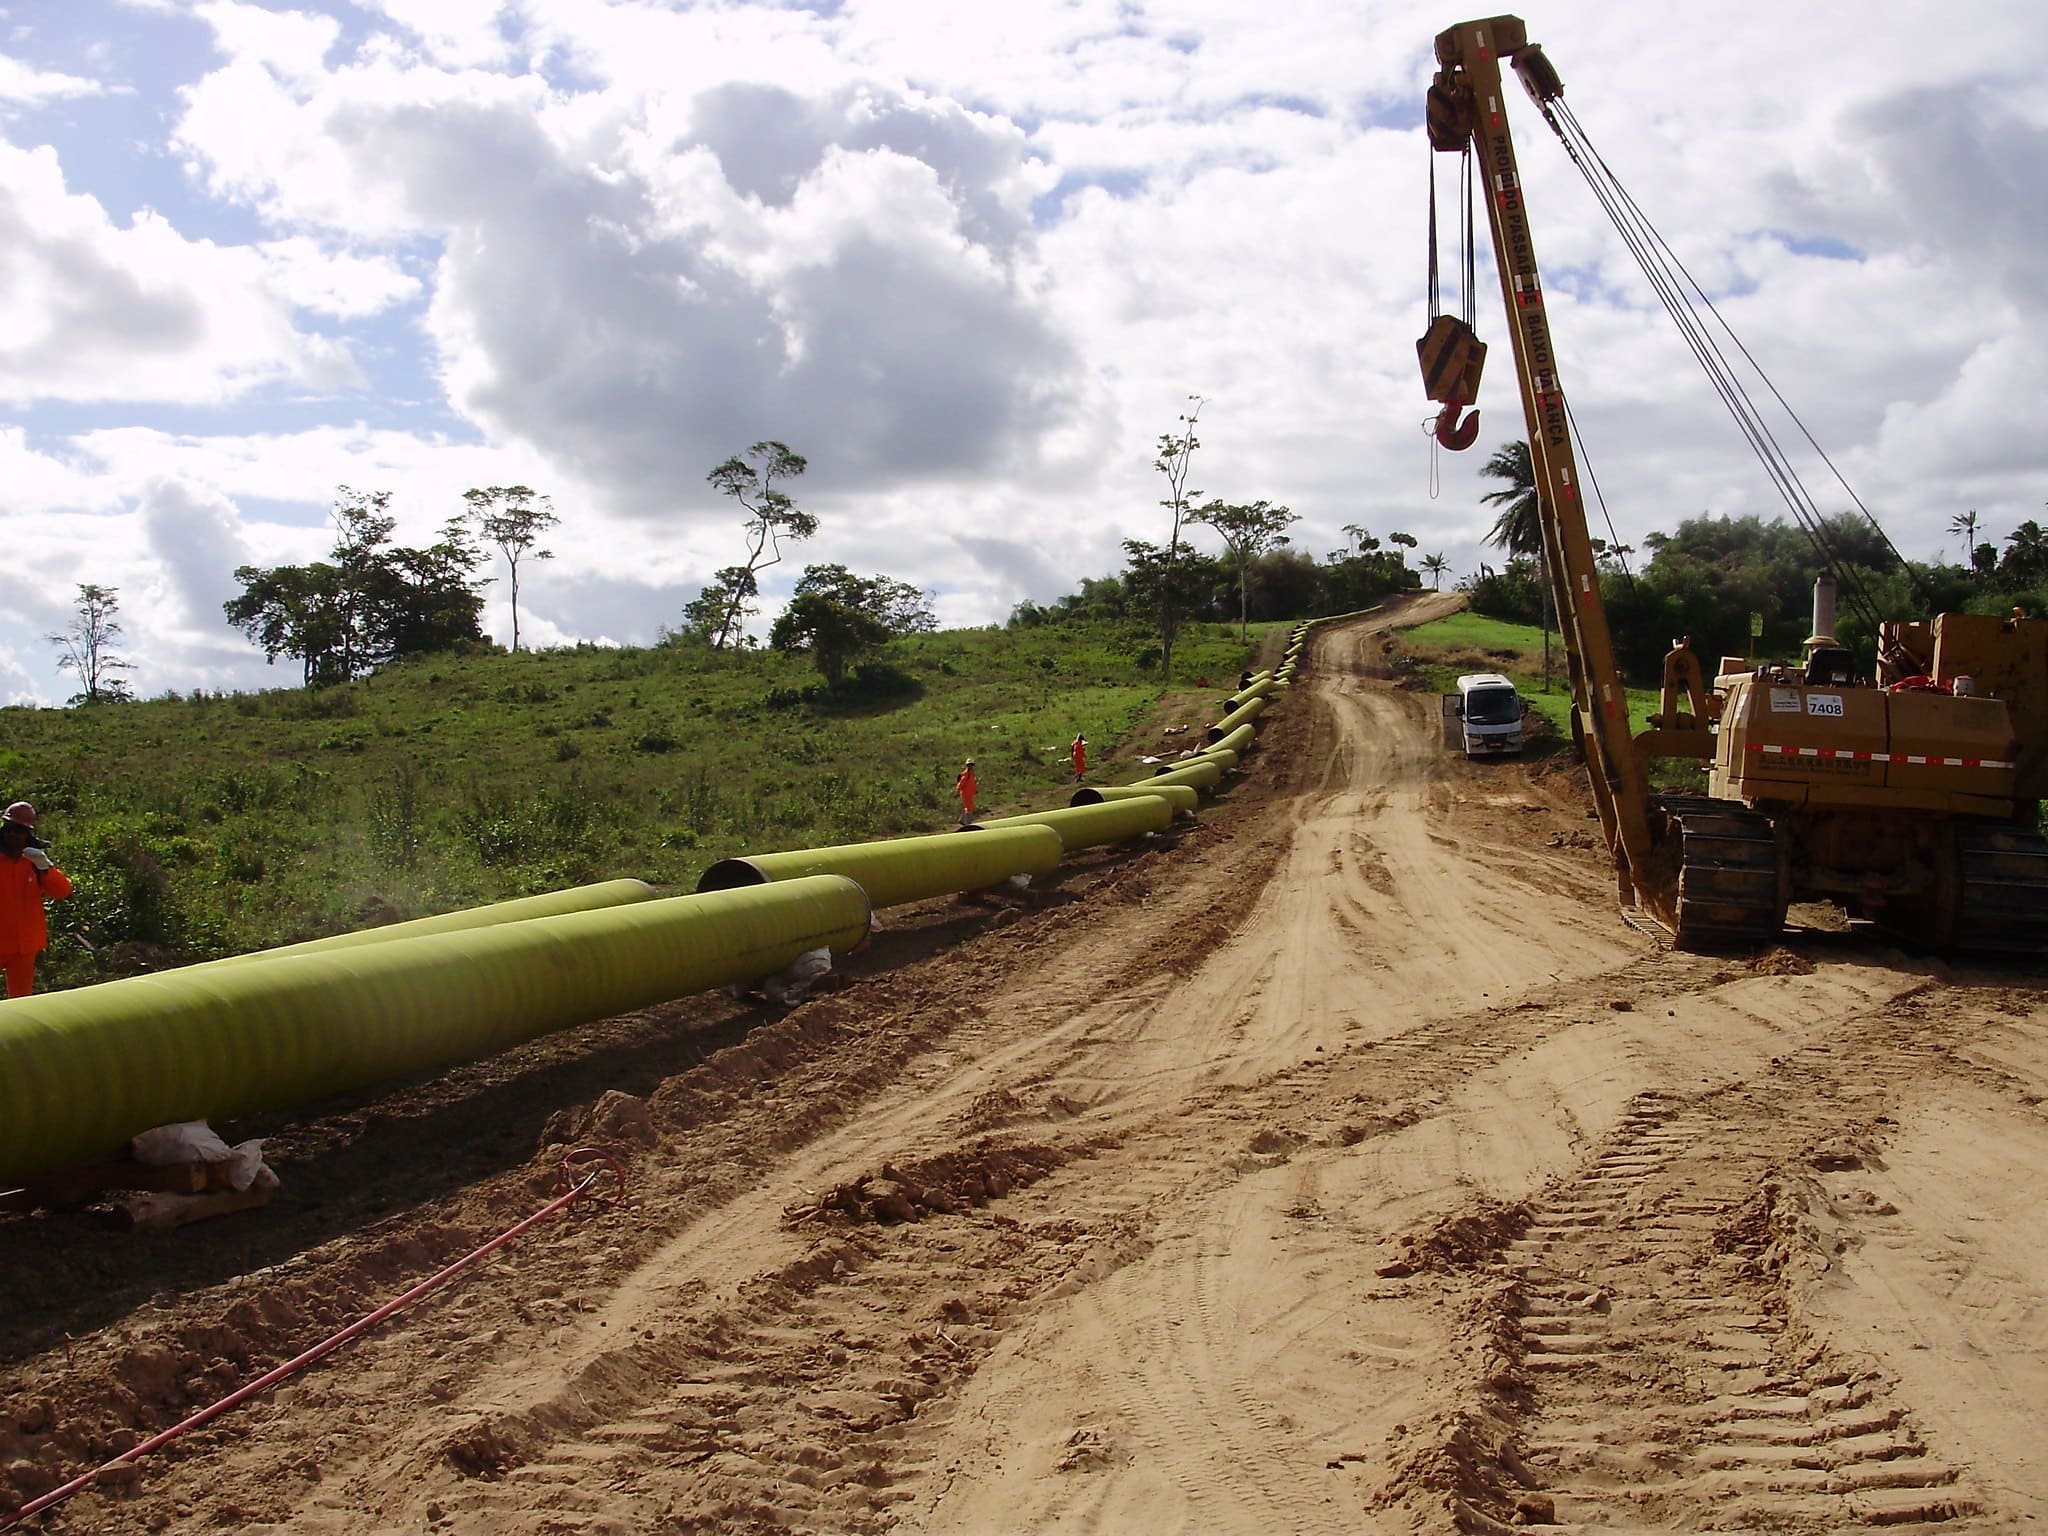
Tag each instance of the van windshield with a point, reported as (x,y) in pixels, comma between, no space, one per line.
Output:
(1492,706)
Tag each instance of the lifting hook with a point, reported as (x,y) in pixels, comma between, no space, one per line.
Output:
(1455,434)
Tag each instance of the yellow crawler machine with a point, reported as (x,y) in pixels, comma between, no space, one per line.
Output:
(1912,798)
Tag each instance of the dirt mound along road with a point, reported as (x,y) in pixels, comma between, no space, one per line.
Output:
(1347,1165)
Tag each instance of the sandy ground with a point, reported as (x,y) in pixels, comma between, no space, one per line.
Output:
(1342,1162)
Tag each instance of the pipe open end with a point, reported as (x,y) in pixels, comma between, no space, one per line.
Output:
(1086,796)
(730,875)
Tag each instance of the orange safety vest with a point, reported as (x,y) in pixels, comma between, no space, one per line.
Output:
(966,786)
(1080,756)
(24,930)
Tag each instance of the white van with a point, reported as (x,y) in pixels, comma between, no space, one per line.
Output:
(1489,714)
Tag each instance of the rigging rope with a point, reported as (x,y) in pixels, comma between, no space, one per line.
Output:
(1670,279)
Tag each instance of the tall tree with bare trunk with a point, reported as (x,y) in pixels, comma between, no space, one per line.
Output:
(86,646)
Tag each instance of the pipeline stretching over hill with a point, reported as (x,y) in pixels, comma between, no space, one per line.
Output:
(578,898)
(81,1072)
(902,869)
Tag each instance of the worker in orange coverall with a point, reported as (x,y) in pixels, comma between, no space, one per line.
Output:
(1080,757)
(27,880)
(965,787)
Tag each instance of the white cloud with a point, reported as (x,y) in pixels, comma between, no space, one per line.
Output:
(32,482)
(294,43)
(336,283)
(460,33)
(16,685)
(24,83)
(93,311)
(196,535)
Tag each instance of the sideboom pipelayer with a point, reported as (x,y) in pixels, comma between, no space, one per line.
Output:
(1912,800)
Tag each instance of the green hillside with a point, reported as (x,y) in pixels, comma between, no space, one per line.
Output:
(218,823)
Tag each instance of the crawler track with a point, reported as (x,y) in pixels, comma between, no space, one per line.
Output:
(2004,906)
(1731,885)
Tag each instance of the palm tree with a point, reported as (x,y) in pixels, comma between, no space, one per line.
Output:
(1965,523)
(1436,565)
(2026,554)
(1519,528)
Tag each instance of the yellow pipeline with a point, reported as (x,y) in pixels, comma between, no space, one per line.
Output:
(581,898)
(1085,826)
(1236,741)
(82,1071)
(1254,690)
(1244,714)
(1180,796)
(905,868)
(1196,772)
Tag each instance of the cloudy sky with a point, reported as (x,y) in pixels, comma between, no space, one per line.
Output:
(970,259)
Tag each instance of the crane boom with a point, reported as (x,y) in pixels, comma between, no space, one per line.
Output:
(1466,113)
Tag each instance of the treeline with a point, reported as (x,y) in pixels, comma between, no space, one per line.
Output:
(1706,579)
(1281,583)
(373,601)
(370,603)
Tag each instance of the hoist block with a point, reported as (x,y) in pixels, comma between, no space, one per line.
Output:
(1452,357)
(1448,112)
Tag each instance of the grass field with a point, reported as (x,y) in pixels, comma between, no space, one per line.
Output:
(217,823)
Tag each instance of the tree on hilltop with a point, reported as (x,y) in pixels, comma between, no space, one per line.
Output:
(1248,531)
(86,646)
(772,516)
(1175,458)
(369,602)
(512,517)
(838,618)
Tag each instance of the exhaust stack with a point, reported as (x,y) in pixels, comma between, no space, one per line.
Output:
(1823,636)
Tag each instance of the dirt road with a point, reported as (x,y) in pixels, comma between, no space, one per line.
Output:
(1349,1164)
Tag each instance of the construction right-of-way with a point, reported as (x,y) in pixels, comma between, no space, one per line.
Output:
(1210,1199)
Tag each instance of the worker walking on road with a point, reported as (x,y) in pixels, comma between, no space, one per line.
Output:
(27,880)
(1080,757)
(965,787)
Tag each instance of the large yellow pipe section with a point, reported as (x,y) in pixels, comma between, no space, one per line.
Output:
(581,898)
(82,1071)
(1180,796)
(1200,773)
(1086,826)
(907,868)
(1244,714)
(1235,741)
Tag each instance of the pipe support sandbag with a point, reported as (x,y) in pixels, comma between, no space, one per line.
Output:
(905,868)
(1087,826)
(81,1072)
(580,898)
(1181,797)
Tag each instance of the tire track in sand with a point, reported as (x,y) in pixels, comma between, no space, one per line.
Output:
(1659,1373)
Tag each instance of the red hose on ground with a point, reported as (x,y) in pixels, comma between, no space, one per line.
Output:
(571,1189)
